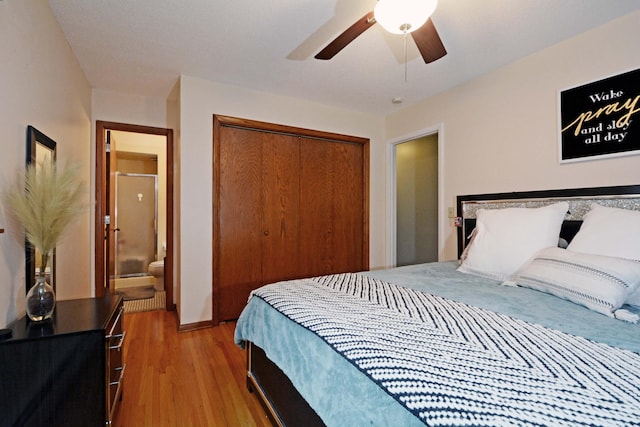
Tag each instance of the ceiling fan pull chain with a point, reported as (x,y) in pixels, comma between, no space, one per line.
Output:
(405,57)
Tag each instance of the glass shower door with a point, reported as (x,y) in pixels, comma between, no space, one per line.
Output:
(135,223)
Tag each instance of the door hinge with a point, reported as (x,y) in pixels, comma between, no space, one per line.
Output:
(107,147)
(107,219)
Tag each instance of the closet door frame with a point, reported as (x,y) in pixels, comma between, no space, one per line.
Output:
(220,121)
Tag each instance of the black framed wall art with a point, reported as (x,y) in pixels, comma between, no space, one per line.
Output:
(600,119)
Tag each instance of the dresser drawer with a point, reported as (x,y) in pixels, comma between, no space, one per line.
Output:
(115,367)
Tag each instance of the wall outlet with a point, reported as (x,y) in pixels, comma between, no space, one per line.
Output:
(452,212)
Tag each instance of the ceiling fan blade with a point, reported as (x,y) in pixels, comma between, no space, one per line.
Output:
(428,42)
(347,37)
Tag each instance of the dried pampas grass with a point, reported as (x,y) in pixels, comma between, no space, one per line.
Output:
(52,198)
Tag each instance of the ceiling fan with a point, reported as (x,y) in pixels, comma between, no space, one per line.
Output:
(398,17)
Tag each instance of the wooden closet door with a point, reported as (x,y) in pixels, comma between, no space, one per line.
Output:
(281,202)
(258,215)
(239,240)
(332,229)
(288,203)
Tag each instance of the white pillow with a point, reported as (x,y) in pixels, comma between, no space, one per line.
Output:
(597,282)
(505,239)
(609,231)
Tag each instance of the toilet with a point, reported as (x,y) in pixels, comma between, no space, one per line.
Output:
(156,269)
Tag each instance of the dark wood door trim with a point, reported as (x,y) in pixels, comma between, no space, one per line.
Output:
(100,200)
(287,130)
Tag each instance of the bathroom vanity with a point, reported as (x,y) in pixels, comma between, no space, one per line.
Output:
(67,370)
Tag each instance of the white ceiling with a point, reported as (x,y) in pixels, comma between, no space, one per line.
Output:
(142,46)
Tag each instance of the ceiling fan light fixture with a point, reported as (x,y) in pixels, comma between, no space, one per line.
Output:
(403,16)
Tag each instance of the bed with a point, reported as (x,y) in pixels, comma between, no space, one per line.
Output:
(552,340)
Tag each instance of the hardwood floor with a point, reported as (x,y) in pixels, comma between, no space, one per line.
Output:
(192,378)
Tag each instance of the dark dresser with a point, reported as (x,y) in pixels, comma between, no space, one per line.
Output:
(66,371)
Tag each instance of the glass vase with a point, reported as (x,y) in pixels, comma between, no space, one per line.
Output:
(41,300)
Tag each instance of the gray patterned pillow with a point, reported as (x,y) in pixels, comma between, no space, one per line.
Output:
(600,283)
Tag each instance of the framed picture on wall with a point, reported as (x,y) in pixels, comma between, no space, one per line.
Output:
(600,119)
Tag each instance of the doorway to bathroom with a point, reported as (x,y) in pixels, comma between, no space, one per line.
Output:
(134,213)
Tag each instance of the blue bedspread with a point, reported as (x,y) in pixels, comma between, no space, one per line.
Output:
(341,395)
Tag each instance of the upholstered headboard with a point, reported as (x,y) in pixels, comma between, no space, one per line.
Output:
(579,199)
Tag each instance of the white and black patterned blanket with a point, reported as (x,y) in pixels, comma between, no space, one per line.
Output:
(453,364)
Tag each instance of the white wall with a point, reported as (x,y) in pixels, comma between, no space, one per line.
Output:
(501,129)
(129,108)
(42,85)
(199,100)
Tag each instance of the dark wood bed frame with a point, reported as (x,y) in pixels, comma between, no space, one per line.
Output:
(282,402)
